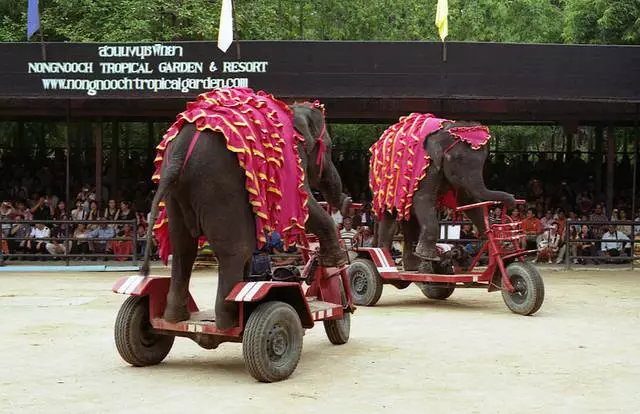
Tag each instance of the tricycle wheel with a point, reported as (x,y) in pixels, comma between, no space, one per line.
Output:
(366,285)
(439,291)
(529,289)
(272,342)
(338,329)
(135,340)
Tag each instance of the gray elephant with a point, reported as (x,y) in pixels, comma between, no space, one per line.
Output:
(455,153)
(204,187)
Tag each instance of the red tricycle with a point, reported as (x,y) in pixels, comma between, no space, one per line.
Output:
(519,281)
(274,310)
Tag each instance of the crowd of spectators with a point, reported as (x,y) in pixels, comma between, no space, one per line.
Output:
(29,196)
(23,234)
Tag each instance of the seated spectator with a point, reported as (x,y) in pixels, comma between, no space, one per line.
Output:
(348,233)
(123,248)
(79,212)
(80,245)
(102,231)
(515,215)
(547,220)
(625,228)
(547,244)
(336,216)
(141,234)
(586,247)
(467,235)
(614,245)
(573,247)
(94,214)
(366,216)
(365,237)
(532,228)
(37,242)
(112,212)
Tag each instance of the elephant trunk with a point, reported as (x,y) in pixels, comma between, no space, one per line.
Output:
(479,191)
(330,185)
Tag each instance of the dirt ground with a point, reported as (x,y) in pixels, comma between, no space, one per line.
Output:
(579,354)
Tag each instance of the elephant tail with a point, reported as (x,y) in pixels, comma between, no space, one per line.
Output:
(180,154)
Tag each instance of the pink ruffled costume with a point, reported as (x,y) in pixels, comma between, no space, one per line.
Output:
(259,129)
(399,162)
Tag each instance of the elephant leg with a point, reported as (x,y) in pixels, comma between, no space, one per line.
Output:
(232,234)
(385,231)
(322,225)
(185,248)
(411,234)
(424,206)
(476,215)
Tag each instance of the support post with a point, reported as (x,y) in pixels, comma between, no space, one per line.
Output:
(150,141)
(634,205)
(611,155)
(599,139)
(68,157)
(115,155)
(97,133)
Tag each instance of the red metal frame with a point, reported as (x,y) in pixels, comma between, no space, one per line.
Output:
(325,287)
(504,241)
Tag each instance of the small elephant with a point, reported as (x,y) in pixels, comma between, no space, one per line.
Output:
(452,155)
(204,187)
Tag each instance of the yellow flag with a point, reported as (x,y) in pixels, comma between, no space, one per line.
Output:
(442,23)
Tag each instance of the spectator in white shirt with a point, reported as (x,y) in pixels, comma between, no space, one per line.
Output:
(348,233)
(36,243)
(617,246)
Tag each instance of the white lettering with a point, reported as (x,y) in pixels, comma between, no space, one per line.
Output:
(125,67)
(247,67)
(60,67)
(184,85)
(180,67)
(140,51)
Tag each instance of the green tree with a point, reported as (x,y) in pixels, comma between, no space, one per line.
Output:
(602,21)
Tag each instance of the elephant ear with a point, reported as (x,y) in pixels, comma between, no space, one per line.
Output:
(313,134)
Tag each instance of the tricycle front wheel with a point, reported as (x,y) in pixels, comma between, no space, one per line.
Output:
(528,295)
(272,342)
(338,330)
(135,340)
(438,291)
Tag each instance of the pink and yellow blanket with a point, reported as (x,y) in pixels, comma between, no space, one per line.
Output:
(399,162)
(259,129)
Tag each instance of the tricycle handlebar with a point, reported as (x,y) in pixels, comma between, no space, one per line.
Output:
(484,203)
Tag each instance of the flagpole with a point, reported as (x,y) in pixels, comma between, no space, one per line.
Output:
(444,50)
(235,32)
(42,45)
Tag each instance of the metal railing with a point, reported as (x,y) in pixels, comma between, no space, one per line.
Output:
(630,253)
(67,241)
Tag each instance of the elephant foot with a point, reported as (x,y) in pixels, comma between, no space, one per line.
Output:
(206,341)
(427,252)
(335,258)
(227,317)
(176,314)
(425,267)
(410,262)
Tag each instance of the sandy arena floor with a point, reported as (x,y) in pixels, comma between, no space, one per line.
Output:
(579,354)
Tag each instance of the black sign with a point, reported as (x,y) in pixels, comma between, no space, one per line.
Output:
(322,69)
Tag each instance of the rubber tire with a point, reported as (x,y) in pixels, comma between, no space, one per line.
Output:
(338,330)
(535,289)
(435,290)
(256,333)
(130,322)
(374,283)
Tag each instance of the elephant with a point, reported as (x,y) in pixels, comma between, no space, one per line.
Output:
(206,196)
(455,165)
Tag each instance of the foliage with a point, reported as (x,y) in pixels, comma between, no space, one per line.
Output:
(602,21)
